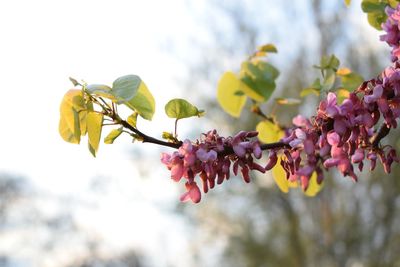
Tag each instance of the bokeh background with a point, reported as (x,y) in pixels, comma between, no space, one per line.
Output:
(59,206)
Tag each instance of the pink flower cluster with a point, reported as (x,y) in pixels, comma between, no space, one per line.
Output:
(391,27)
(211,157)
(341,135)
(344,135)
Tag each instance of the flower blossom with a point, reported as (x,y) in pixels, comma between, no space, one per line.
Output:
(391,27)
(211,158)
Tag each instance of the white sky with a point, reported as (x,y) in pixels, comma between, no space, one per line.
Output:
(43,43)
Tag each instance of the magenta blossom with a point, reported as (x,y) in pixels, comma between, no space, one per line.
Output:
(211,158)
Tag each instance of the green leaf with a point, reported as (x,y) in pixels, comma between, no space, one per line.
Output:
(375,10)
(94,126)
(376,19)
(69,125)
(328,81)
(351,81)
(124,88)
(259,77)
(110,138)
(239,93)
(393,3)
(287,101)
(143,102)
(74,81)
(315,88)
(329,62)
(309,91)
(269,48)
(169,137)
(369,6)
(180,108)
(231,103)
(129,90)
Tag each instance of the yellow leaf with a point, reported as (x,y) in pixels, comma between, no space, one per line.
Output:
(110,138)
(66,133)
(69,126)
(227,96)
(343,71)
(82,122)
(293,184)
(313,186)
(287,101)
(132,119)
(279,175)
(393,3)
(269,132)
(94,125)
(342,94)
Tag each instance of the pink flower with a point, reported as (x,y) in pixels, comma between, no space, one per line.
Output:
(207,159)
(193,193)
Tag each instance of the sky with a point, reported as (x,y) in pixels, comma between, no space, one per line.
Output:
(43,43)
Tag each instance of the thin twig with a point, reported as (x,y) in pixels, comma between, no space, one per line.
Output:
(380,134)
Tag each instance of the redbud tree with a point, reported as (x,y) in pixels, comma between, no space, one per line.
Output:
(345,133)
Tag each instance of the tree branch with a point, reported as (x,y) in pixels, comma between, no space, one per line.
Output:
(383,131)
(227,151)
(149,139)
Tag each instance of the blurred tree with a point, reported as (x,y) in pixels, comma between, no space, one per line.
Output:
(127,259)
(256,225)
(37,228)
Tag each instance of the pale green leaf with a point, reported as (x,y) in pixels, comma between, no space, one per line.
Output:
(329,81)
(101,90)
(315,88)
(180,108)
(124,88)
